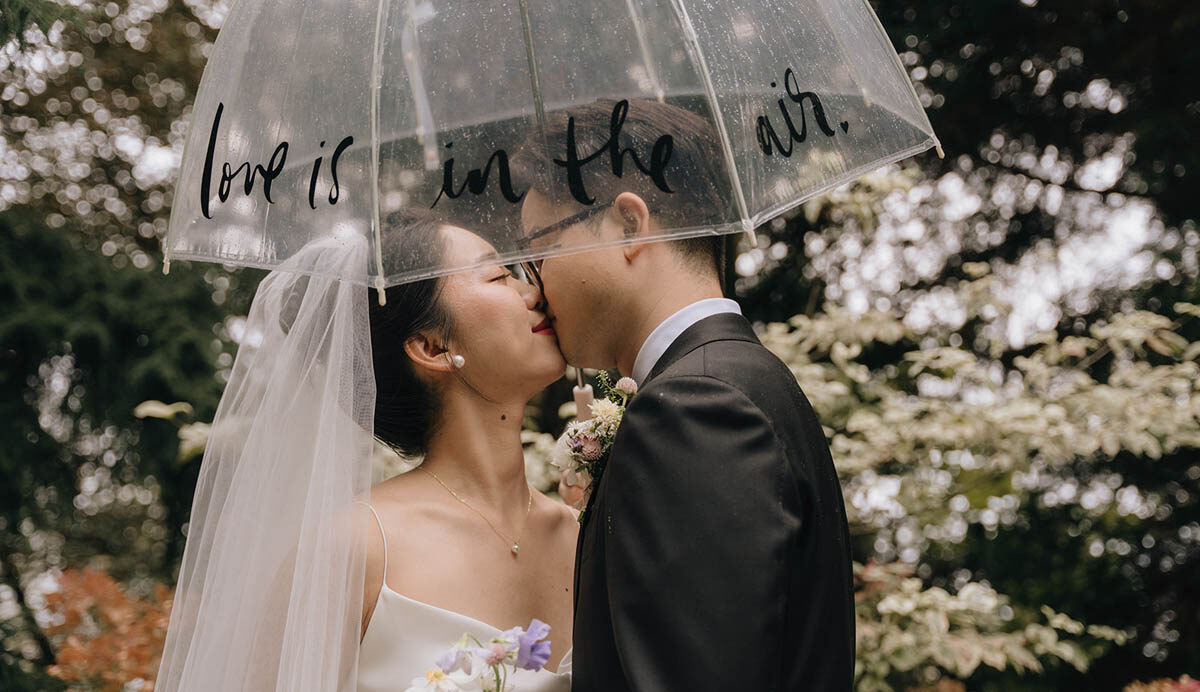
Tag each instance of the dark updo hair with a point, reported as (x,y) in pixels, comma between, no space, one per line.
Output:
(406,407)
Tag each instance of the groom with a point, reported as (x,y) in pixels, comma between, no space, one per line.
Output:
(714,554)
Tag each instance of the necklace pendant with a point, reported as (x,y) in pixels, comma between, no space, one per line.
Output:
(515,548)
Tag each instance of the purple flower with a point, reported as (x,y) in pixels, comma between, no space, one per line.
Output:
(534,648)
(455,659)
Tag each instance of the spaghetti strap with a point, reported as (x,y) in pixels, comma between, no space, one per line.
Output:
(382,535)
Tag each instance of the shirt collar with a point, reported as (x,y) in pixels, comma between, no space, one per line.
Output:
(665,333)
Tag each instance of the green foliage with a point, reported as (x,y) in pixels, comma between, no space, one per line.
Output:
(944,451)
(913,288)
(81,344)
(943,411)
(15,678)
(93,119)
(909,633)
(88,342)
(193,436)
(1075,82)
(18,16)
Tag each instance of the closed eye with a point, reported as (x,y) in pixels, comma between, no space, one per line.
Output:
(510,271)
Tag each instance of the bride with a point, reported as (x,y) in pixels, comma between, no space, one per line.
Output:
(464,539)
(297,575)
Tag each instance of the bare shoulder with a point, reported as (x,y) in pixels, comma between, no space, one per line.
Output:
(402,512)
(553,506)
(366,527)
(404,502)
(563,520)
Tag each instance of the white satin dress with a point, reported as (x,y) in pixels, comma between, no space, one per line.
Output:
(405,636)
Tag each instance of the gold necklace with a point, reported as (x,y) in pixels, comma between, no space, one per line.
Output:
(515,546)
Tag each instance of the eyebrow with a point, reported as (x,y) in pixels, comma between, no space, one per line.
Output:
(491,254)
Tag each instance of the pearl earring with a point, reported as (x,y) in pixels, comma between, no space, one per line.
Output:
(458,361)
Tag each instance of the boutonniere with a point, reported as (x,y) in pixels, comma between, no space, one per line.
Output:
(584,446)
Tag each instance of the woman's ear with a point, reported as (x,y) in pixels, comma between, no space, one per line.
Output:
(428,353)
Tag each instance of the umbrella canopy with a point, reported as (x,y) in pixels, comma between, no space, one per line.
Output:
(318,119)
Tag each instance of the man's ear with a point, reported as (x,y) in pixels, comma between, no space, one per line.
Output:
(428,353)
(634,216)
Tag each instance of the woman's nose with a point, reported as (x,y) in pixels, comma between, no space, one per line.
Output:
(534,299)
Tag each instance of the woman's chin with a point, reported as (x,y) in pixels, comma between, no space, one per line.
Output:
(538,370)
(556,370)
(547,344)
(553,372)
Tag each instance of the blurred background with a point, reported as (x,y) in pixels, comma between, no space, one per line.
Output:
(1003,346)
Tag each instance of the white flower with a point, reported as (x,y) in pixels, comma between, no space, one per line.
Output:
(607,416)
(561,456)
(627,386)
(436,680)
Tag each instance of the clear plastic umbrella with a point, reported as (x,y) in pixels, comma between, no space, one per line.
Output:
(319,118)
(325,128)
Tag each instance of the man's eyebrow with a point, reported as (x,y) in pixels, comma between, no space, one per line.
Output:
(489,255)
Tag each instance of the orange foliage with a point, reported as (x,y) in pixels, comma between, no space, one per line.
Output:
(1184,684)
(105,638)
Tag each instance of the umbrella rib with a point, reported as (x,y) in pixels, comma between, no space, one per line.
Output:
(689,32)
(640,30)
(426,127)
(535,85)
(376,61)
(539,107)
(912,90)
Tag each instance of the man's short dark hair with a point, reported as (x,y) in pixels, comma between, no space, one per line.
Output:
(700,186)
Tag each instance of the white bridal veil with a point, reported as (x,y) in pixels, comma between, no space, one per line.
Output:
(270,591)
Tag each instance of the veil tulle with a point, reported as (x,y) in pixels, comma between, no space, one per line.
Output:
(270,590)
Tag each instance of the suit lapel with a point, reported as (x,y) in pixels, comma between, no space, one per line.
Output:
(586,520)
(720,327)
(725,326)
(578,560)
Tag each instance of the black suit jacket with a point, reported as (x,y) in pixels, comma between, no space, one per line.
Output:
(714,554)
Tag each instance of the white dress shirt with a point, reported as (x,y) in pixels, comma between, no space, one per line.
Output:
(666,333)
